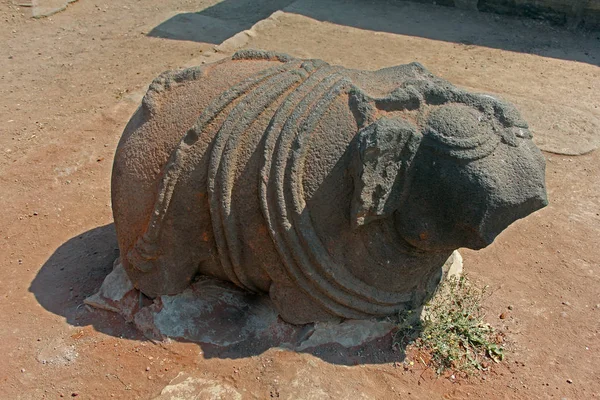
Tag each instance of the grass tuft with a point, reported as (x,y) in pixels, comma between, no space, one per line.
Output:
(451,330)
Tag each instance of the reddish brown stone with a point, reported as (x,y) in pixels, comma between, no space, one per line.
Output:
(339,192)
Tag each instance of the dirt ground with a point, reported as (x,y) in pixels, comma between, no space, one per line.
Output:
(69,83)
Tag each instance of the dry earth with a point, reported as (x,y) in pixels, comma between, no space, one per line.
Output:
(68,84)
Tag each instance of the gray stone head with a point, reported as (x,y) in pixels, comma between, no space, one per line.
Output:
(456,177)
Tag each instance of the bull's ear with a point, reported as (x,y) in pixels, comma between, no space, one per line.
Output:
(382,154)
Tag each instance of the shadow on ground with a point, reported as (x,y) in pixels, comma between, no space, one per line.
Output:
(218,23)
(77,269)
(223,20)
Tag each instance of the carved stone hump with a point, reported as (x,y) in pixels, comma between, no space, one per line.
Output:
(339,192)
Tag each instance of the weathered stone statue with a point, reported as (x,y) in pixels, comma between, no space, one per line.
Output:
(339,192)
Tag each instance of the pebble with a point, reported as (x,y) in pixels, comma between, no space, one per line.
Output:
(566,303)
(569,381)
(22,369)
(147,368)
(510,307)
(503,316)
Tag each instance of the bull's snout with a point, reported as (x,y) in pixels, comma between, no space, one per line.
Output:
(498,218)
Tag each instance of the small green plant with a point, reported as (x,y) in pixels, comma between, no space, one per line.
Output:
(451,330)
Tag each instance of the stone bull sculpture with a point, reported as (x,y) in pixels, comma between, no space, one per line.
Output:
(339,192)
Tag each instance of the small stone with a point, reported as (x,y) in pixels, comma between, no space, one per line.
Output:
(566,303)
(503,316)
(147,368)
(510,307)
(22,369)
(569,381)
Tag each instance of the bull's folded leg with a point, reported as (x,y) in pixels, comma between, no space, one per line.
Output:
(297,307)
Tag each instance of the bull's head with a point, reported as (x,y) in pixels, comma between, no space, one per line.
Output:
(456,176)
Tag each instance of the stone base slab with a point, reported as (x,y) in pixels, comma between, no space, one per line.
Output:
(230,322)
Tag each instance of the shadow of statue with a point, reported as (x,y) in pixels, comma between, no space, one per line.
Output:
(75,271)
(78,267)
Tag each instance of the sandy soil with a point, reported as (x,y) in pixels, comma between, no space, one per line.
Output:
(69,83)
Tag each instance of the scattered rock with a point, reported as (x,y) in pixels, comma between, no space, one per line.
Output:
(46,8)
(453,268)
(116,294)
(57,351)
(569,381)
(189,387)
(348,334)
(503,315)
